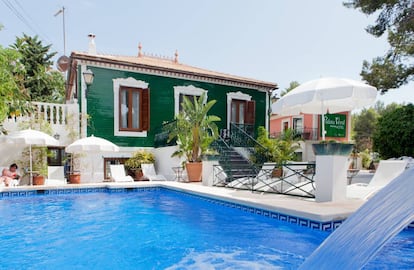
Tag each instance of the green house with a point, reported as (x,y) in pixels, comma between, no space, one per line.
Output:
(131,97)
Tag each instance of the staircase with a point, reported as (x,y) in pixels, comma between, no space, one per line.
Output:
(233,163)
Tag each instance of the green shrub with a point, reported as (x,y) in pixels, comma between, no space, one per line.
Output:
(365,158)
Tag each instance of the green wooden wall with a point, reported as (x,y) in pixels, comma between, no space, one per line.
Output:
(100,104)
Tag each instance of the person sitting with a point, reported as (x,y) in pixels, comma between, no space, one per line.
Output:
(9,175)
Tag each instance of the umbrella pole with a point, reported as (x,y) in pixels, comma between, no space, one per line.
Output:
(30,162)
(323,122)
(323,126)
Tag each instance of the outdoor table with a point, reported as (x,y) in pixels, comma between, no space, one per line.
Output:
(178,171)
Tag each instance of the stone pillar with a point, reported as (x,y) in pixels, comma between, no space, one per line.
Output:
(331,170)
(330,178)
(208,176)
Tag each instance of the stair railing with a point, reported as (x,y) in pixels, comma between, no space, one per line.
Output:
(221,145)
(240,138)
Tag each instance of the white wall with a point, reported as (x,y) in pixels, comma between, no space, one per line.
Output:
(164,162)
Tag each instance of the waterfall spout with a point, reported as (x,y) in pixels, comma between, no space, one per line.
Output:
(365,232)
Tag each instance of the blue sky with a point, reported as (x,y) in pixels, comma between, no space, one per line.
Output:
(276,41)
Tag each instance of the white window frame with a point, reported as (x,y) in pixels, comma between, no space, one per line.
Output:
(189,90)
(298,117)
(235,95)
(282,123)
(127,82)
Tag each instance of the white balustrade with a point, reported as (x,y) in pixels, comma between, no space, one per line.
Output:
(57,115)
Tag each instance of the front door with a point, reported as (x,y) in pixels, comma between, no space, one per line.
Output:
(243,114)
(238,108)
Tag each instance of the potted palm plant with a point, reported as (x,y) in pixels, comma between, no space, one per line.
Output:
(279,150)
(39,165)
(39,161)
(139,157)
(75,168)
(194,131)
(39,153)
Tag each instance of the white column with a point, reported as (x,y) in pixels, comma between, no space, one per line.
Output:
(208,176)
(330,178)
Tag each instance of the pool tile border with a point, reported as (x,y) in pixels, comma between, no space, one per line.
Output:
(303,222)
(60,191)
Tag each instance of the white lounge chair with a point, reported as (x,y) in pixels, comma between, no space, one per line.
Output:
(118,173)
(55,175)
(148,171)
(289,179)
(219,176)
(387,170)
(304,188)
(247,182)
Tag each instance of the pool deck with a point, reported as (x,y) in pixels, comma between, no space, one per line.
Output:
(288,205)
(284,204)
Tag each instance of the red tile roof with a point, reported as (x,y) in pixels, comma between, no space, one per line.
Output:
(169,65)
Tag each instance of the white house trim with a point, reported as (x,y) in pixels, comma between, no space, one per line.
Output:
(190,90)
(128,82)
(235,95)
(176,74)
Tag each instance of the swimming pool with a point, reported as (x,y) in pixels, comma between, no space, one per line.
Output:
(157,229)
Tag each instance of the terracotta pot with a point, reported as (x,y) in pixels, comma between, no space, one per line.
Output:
(75,178)
(38,180)
(194,171)
(277,172)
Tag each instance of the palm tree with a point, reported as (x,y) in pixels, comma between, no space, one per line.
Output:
(195,130)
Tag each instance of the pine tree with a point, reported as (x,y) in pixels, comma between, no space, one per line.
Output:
(40,81)
(396,18)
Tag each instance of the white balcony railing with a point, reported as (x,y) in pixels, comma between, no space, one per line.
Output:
(63,118)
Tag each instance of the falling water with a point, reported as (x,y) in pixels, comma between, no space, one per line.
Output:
(365,232)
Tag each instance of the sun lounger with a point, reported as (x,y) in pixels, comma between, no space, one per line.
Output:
(387,170)
(118,173)
(289,179)
(304,188)
(219,176)
(148,171)
(55,175)
(248,182)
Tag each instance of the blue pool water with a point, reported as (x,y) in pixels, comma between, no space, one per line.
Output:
(158,229)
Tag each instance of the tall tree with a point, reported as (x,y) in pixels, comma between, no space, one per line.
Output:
(42,83)
(364,128)
(12,91)
(292,85)
(394,133)
(396,18)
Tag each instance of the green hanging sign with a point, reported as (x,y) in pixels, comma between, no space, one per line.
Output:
(335,125)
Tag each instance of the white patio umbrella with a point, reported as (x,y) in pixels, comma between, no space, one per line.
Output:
(325,95)
(30,137)
(91,144)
